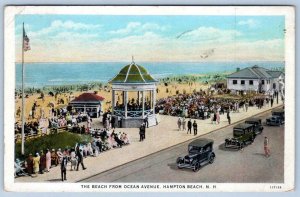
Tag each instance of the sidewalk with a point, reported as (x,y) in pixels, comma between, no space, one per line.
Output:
(159,137)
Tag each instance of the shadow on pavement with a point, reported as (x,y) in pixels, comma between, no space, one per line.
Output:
(222,147)
(259,154)
(55,180)
(173,166)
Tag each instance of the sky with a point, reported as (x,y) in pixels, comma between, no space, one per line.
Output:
(92,38)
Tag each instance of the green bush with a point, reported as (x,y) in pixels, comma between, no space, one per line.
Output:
(59,140)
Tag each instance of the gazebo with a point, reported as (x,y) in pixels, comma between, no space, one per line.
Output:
(88,103)
(133,96)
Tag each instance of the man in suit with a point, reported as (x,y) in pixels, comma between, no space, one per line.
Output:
(142,132)
(63,168)
(228,117)
(146,122)
(80,158)
(189,125)
(195,127)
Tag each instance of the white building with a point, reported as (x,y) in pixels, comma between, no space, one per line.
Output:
(256,79)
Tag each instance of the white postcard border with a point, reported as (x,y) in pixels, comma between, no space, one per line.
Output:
(9,86)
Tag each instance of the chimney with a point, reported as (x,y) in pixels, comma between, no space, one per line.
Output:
(238,69)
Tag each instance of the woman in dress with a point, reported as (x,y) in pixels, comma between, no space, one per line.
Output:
(218,117)
(48,160)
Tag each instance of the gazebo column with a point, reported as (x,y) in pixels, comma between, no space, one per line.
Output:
(143,104)
(138,97)
(125,104)
(153,100)
(113,100)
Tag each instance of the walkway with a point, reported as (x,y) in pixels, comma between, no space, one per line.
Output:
(158,138)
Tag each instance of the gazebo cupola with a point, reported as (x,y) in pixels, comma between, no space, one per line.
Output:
(134,95)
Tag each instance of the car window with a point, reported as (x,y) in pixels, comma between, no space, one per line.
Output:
(208,148)
(238,132)
(194,149)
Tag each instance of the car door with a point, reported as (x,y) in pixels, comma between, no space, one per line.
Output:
(205,153)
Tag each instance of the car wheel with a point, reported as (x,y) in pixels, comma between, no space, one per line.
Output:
(196,167)
(211,159)
(242,144)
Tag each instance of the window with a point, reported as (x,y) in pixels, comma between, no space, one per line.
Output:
(250,82)
(263,82)
(234,81)
(243,82)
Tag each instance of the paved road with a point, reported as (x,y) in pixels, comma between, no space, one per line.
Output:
(230,166)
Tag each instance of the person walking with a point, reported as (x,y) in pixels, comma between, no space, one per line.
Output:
(144,131)
(195,127)
(36,164)
(247,105)
(63,167)
(228,117)
(214,118)
(272,101)
(179,123)
(266,147)
(218,117)
(141,132)
(80,158)
(48,160)
(113,122)
(189,125)
(183,123)
(29,162)
(146,122)
(42,162)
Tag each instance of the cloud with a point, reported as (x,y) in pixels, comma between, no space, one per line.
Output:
(250,23)
(68,44)
(129,28)
(210,34)
(58,25)
(138,27)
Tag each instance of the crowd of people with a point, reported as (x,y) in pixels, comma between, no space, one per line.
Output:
(199,105)
(42,161)
(133,105)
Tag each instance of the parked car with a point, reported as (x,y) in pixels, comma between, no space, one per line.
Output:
(274,121)
(200,153)
(243,134)
(257,123)
(277,118)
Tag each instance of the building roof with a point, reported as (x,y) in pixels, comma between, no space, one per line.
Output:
(274,74)
(255,72)
(133,73)
(87,98)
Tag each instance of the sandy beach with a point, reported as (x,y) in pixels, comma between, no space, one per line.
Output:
(106,104)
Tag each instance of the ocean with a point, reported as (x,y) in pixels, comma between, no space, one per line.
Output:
(50,74)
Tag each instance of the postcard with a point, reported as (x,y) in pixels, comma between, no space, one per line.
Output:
(149,98)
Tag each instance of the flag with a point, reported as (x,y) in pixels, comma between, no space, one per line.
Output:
(26,46)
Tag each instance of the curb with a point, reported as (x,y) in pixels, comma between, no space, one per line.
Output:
(176,144)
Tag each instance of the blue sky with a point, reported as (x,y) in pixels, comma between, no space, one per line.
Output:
(151,38)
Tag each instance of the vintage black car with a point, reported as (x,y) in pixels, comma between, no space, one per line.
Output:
(257,123)
(200,154)
(243,134)
(277,118)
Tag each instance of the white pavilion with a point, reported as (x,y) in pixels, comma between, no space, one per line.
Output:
(134,96)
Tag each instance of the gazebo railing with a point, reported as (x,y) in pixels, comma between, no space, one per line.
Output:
(134,114)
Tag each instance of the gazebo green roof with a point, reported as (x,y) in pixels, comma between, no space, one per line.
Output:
(133,73)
